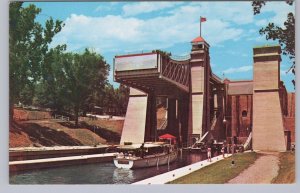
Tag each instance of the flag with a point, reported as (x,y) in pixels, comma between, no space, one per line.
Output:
(202,19)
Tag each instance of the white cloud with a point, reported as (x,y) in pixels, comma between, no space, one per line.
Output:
(238,69)
(178,24)
(107,32)
(102,8)
(280,9)
(237,12)
(116,32)
(261,22)
(132,9)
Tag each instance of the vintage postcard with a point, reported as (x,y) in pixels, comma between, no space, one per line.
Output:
(185,92)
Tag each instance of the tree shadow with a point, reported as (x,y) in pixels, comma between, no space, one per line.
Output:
(45,136)
(109,136)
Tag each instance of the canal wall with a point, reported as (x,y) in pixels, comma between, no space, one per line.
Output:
(15,166)
(19,154)
(180,172)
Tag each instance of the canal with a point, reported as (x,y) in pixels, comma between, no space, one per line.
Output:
(99,173)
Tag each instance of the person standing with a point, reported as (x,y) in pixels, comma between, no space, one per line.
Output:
(209,154)
(223,150)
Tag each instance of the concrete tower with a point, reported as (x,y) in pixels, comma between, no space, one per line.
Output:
(268,127)
(199,100)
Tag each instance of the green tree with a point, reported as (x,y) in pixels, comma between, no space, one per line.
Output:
(50,89)
(84,75)
(28,44)
(122,96)
(108,100)
(285,36)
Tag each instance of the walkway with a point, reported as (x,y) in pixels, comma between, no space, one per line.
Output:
(264,169)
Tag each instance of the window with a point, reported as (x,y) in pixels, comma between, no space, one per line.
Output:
(244,113)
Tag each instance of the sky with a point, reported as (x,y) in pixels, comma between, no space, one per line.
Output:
(111,28)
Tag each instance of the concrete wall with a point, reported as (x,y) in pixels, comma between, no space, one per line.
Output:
(268,126)
(16,166)
(268,131)
(42,154)
(135,120)
(265,75)
(289,119)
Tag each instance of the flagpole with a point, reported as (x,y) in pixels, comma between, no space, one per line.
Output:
(200,26)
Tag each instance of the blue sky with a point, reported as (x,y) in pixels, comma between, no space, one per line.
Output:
(111,28)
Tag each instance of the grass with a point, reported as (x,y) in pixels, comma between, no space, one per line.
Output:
(112,125)
(286,173)
(220,172)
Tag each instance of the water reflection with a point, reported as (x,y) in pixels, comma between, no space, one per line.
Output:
(123,176)
(100,173)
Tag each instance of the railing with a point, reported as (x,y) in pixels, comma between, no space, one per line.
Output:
(61,118)
(217,78)
(177,71)
(247,143)
(134,52)
(163,125)
(214,122)
(201,139)
(181,58)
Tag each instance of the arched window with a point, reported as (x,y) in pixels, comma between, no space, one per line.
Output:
(244,113)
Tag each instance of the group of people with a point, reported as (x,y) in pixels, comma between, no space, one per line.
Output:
(226,147)
(209,152)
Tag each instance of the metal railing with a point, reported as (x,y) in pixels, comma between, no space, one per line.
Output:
(163,125)
(248,142)
(61,117)
(180,58)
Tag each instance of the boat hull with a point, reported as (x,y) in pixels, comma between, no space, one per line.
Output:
(132,163)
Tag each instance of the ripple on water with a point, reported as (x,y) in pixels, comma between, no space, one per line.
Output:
(98,173)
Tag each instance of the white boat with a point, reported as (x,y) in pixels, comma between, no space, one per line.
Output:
(145,155)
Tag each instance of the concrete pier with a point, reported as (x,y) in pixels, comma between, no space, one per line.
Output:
(174,174)
(31,153)
(60,161)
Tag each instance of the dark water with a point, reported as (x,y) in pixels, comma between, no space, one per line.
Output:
(99,173)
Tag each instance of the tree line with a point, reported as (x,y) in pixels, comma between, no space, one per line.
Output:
(52,77)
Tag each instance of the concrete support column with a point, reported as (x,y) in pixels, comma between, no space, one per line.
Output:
(234,116)
(135,119)
(268,128)
(183,116)
(151,120)
(172,127)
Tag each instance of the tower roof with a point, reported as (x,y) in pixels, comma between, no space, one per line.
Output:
(198,39)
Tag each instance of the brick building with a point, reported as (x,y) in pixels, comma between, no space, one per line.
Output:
(202,106)
(254,104)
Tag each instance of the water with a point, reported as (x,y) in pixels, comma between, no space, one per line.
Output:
(99,173)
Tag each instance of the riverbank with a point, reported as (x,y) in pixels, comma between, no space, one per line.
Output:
(286,173)
(220,172)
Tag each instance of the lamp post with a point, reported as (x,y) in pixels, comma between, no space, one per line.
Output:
(225,123)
